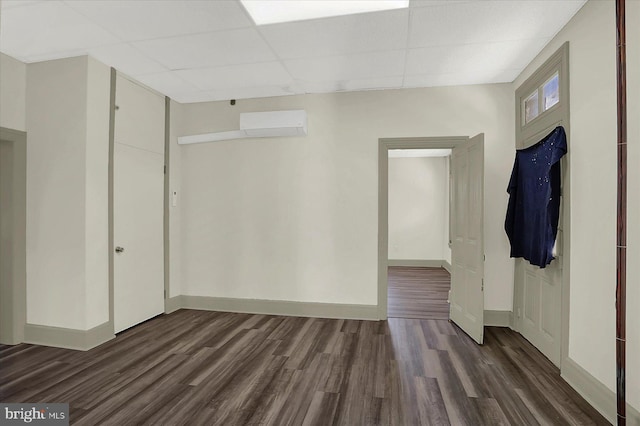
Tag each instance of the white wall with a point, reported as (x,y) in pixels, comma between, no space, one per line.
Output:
(592,156)
(417,194)
(296,219)
(67,159)
(13,84)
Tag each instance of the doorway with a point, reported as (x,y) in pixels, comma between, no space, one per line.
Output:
(467,285)
(419,292)
(419,252)
(13,216)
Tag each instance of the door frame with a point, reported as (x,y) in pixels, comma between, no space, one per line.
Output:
(12,331)
(384,145)
(559,115)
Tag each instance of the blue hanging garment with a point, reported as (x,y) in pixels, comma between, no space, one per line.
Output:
(534,199)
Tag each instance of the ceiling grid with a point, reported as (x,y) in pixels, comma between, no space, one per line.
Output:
(208,50)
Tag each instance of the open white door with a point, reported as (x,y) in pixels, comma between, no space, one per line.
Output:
(138,197)
(467,242)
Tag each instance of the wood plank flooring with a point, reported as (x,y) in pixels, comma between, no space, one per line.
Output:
(210,368)
(418,292)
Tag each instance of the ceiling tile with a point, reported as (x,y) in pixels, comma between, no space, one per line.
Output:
(149,19)
(349,85)
(247,75)
(48,27)
(167,83)
(126,59)
(208,50)
(192,97)
(253,92)
(361,66)
(481,58)
(460,78)
(483,21)
(374,83)
(238,93)
(337,36)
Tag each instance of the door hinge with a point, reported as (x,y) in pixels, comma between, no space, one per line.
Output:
(165,170)
(482,285)
(484,257)
(165,293)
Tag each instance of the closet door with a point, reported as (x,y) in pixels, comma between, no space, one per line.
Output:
(541,296)
(138,197)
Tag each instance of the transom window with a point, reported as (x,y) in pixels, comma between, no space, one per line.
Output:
(542,101)
(545,97)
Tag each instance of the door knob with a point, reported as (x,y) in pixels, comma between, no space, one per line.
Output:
(119,249)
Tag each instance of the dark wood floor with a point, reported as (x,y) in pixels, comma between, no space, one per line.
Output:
(418,292)
(198,367)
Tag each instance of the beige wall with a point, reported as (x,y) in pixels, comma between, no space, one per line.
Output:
(296,218)
(67,161)
(592,156)
(13,83)
(417,195)
(96,193)
(6,243)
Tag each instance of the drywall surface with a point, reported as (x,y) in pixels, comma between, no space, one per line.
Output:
(67,166)
(592,157)
(417,194)
(96,194)
(56,152)
(13,84)
(296,218)
(7,287)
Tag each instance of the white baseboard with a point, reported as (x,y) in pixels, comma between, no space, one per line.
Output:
(68,338)
(498,318)
(595,393)
(277,307)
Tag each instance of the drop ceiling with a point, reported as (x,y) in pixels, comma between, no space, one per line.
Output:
(206,50)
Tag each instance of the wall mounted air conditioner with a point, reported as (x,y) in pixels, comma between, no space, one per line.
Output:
(258,125)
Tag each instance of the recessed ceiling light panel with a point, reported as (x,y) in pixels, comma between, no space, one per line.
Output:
(276,11)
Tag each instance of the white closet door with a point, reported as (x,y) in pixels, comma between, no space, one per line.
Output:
(138,205)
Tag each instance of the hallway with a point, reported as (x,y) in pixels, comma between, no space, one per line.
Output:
(418,292)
